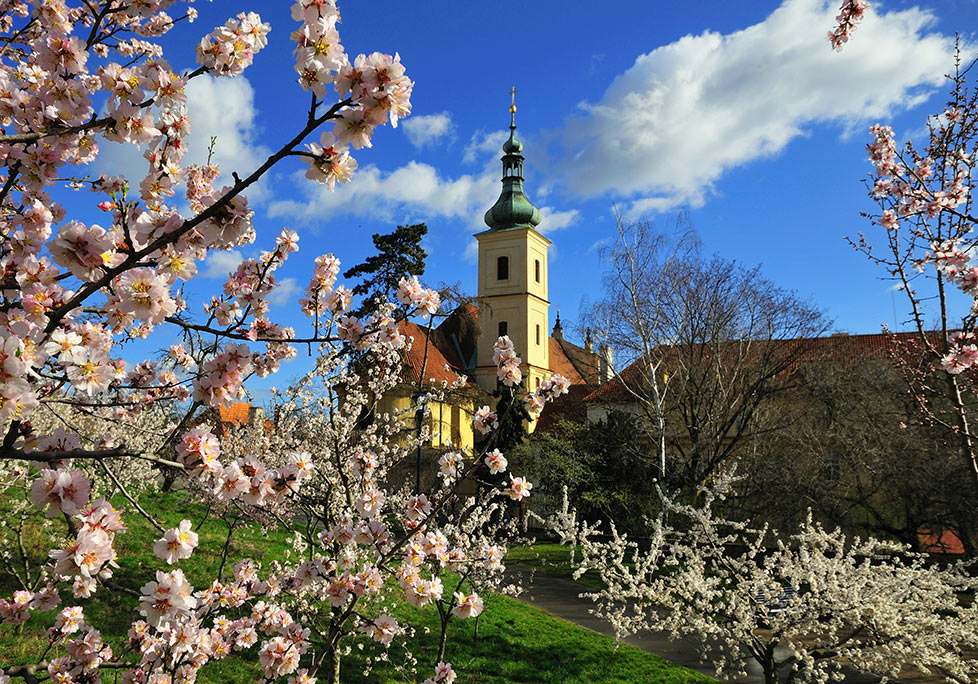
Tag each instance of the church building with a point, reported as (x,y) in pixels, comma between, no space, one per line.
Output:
(512,300)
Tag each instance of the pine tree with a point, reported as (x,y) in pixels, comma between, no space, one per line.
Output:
(399,255)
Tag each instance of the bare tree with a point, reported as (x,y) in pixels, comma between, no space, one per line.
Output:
(703,345)
(857,458)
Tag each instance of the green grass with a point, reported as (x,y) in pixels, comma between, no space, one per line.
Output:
(554,560)
(517,643)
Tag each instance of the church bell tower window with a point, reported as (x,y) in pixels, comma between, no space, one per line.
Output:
(502,268)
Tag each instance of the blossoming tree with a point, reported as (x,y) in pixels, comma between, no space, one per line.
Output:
(927,219)
(83,427)
(797,606)
(802,604)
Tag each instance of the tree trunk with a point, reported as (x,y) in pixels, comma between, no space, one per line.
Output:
(333,666)
(443,637)
(769,665)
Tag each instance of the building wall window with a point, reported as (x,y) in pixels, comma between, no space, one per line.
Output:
(538,334)
(538,383)
(503,328)
(456,426)
(536,269)
(502,268)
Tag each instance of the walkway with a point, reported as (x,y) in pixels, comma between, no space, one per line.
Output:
(560,597)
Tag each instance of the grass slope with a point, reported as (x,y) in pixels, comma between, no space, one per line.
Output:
(553,560)
(517,643)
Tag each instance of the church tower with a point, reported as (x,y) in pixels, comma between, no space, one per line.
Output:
(513,275)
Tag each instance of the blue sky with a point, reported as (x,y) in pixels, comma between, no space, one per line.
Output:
(737,111)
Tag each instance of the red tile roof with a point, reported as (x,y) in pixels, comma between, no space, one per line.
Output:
(237,413)
(840,347)
(561,363)
(569,407)
(414,359)
(947,542)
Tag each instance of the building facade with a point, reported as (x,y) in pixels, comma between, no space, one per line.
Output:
(513,300)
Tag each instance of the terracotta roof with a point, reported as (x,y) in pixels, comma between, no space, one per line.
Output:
(414,359)
(455,341)
(569,407)
(561,363)
(840,347)
(615,389)
(947,541)
(237,413)
(457,334)
(587,363)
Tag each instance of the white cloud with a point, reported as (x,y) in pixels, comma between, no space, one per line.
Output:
(218,107)
(667,128)
(428,129)
(219,264)
(471,254)
(483,144)
(224,108)
(551,219)
(284,292)
(411,192)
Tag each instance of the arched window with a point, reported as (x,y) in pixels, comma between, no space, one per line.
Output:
(536,269)
(502,268)
(503,328)
(538,334)
(538,383)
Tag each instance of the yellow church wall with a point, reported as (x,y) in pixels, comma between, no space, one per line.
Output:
(537,353)
(450,422)
(537,252)
(520,300)
(523,246)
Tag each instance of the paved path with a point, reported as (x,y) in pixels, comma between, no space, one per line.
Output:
(561,597)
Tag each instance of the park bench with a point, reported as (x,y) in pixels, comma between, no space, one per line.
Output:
(776,601)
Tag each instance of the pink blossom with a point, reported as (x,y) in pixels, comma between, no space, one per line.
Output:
(69,620)
(496,461)
(467,606)
(960,359)
(65,490)
(383,629)
(168,598)
(329,162)
(518,488)
(449,463)
(177,543)
(230,48)
(850,14)
(484,420)
(278,657)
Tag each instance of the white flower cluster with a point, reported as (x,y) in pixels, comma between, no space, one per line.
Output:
(803,604)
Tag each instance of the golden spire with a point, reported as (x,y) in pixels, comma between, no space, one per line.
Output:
(512,107)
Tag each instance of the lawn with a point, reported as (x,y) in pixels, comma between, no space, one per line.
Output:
(516,643)
(552,559)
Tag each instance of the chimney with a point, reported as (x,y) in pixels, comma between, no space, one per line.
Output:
(255,415)
(605,362)
(588,344)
